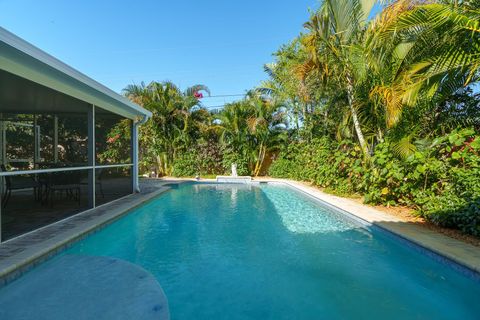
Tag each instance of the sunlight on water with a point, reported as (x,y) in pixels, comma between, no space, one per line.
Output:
(302,215)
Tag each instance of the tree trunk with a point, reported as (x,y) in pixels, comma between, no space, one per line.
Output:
(325,122)
(380,135)
(356,121)
(297,122)
(304,113)
(159,166)
(261,158)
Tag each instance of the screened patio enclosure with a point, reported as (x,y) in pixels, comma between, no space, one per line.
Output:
(67,144)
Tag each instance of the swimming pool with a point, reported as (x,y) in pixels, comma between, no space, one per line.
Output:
(225,251)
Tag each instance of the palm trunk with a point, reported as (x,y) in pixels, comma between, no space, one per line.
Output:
(380,135)
(325,122)
(356,121)
(304,113)
(159,166)
(297,122)
(259,163)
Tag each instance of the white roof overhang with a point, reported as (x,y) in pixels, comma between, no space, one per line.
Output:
(27,61)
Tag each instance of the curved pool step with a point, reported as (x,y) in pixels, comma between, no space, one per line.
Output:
(78,287)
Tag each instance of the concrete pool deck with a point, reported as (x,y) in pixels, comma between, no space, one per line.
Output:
(23,253)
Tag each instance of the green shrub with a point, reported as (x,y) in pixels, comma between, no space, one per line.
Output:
(205,158)
(230,157)
(336,167)
(186,165)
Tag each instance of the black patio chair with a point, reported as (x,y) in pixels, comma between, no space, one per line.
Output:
(67,183)
(19,183)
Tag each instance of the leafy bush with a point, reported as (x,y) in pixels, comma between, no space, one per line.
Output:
(205,159)
(186,165)
(242,161)
(337,167)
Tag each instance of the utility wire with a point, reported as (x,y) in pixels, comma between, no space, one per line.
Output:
(215,107)
(225,95)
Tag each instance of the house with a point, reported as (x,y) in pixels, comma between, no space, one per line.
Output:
(67,143)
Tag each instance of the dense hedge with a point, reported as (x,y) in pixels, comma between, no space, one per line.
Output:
(203,159)
(210,158)
(441,181)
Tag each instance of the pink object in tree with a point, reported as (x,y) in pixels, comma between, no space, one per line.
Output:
(113,139)
(198,95)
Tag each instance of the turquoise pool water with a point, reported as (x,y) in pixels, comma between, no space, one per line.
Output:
(269,252)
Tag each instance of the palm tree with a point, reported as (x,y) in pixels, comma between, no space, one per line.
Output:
(232,121)
(252,128)
(285,87)
(441,47)
(421,55)
(267,128)
(334,42)
(173,115)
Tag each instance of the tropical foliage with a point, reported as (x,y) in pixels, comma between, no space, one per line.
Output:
(182,138)
(377,99)
(176,123)
(390,110)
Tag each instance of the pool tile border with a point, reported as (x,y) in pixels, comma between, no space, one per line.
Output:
(21,254)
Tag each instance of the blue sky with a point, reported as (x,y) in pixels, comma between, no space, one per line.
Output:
(222,44)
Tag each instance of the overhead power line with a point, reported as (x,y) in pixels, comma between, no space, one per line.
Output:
(215,107)
(226,95)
